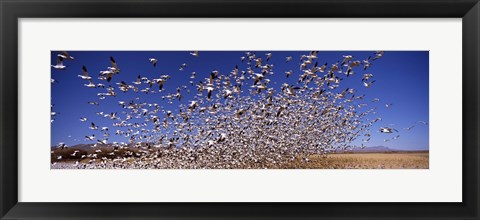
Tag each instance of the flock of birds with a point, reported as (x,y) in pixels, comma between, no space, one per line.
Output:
(236,119)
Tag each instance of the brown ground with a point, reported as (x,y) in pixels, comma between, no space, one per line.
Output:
(395,160)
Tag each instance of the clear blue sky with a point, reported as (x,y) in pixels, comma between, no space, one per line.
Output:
(401,79)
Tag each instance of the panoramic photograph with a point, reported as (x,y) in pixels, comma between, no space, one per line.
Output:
(239,110)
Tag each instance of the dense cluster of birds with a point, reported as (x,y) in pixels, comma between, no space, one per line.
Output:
(236,119)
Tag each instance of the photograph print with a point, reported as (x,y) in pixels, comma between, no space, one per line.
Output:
(239,110)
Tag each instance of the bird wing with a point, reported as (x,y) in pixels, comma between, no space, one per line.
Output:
(64,53)
(59,61)
(84,71)
(112,60)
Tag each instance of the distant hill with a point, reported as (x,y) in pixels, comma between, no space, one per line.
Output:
(99,146)
(78,146)
(385,149)
(375,149)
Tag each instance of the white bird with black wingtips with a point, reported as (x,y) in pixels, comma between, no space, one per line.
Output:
(153,61)
(85,74)
(59,65)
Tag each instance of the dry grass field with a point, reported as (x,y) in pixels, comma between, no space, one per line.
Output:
(394,160)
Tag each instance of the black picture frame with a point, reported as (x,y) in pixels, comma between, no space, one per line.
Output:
(12,10)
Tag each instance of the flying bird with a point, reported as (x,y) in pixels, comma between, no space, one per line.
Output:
(90,84)
(153,61)
(194,53)
(387,130)
(64,55)
(85,74)
(93,126)
(59,65)
(288,59)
